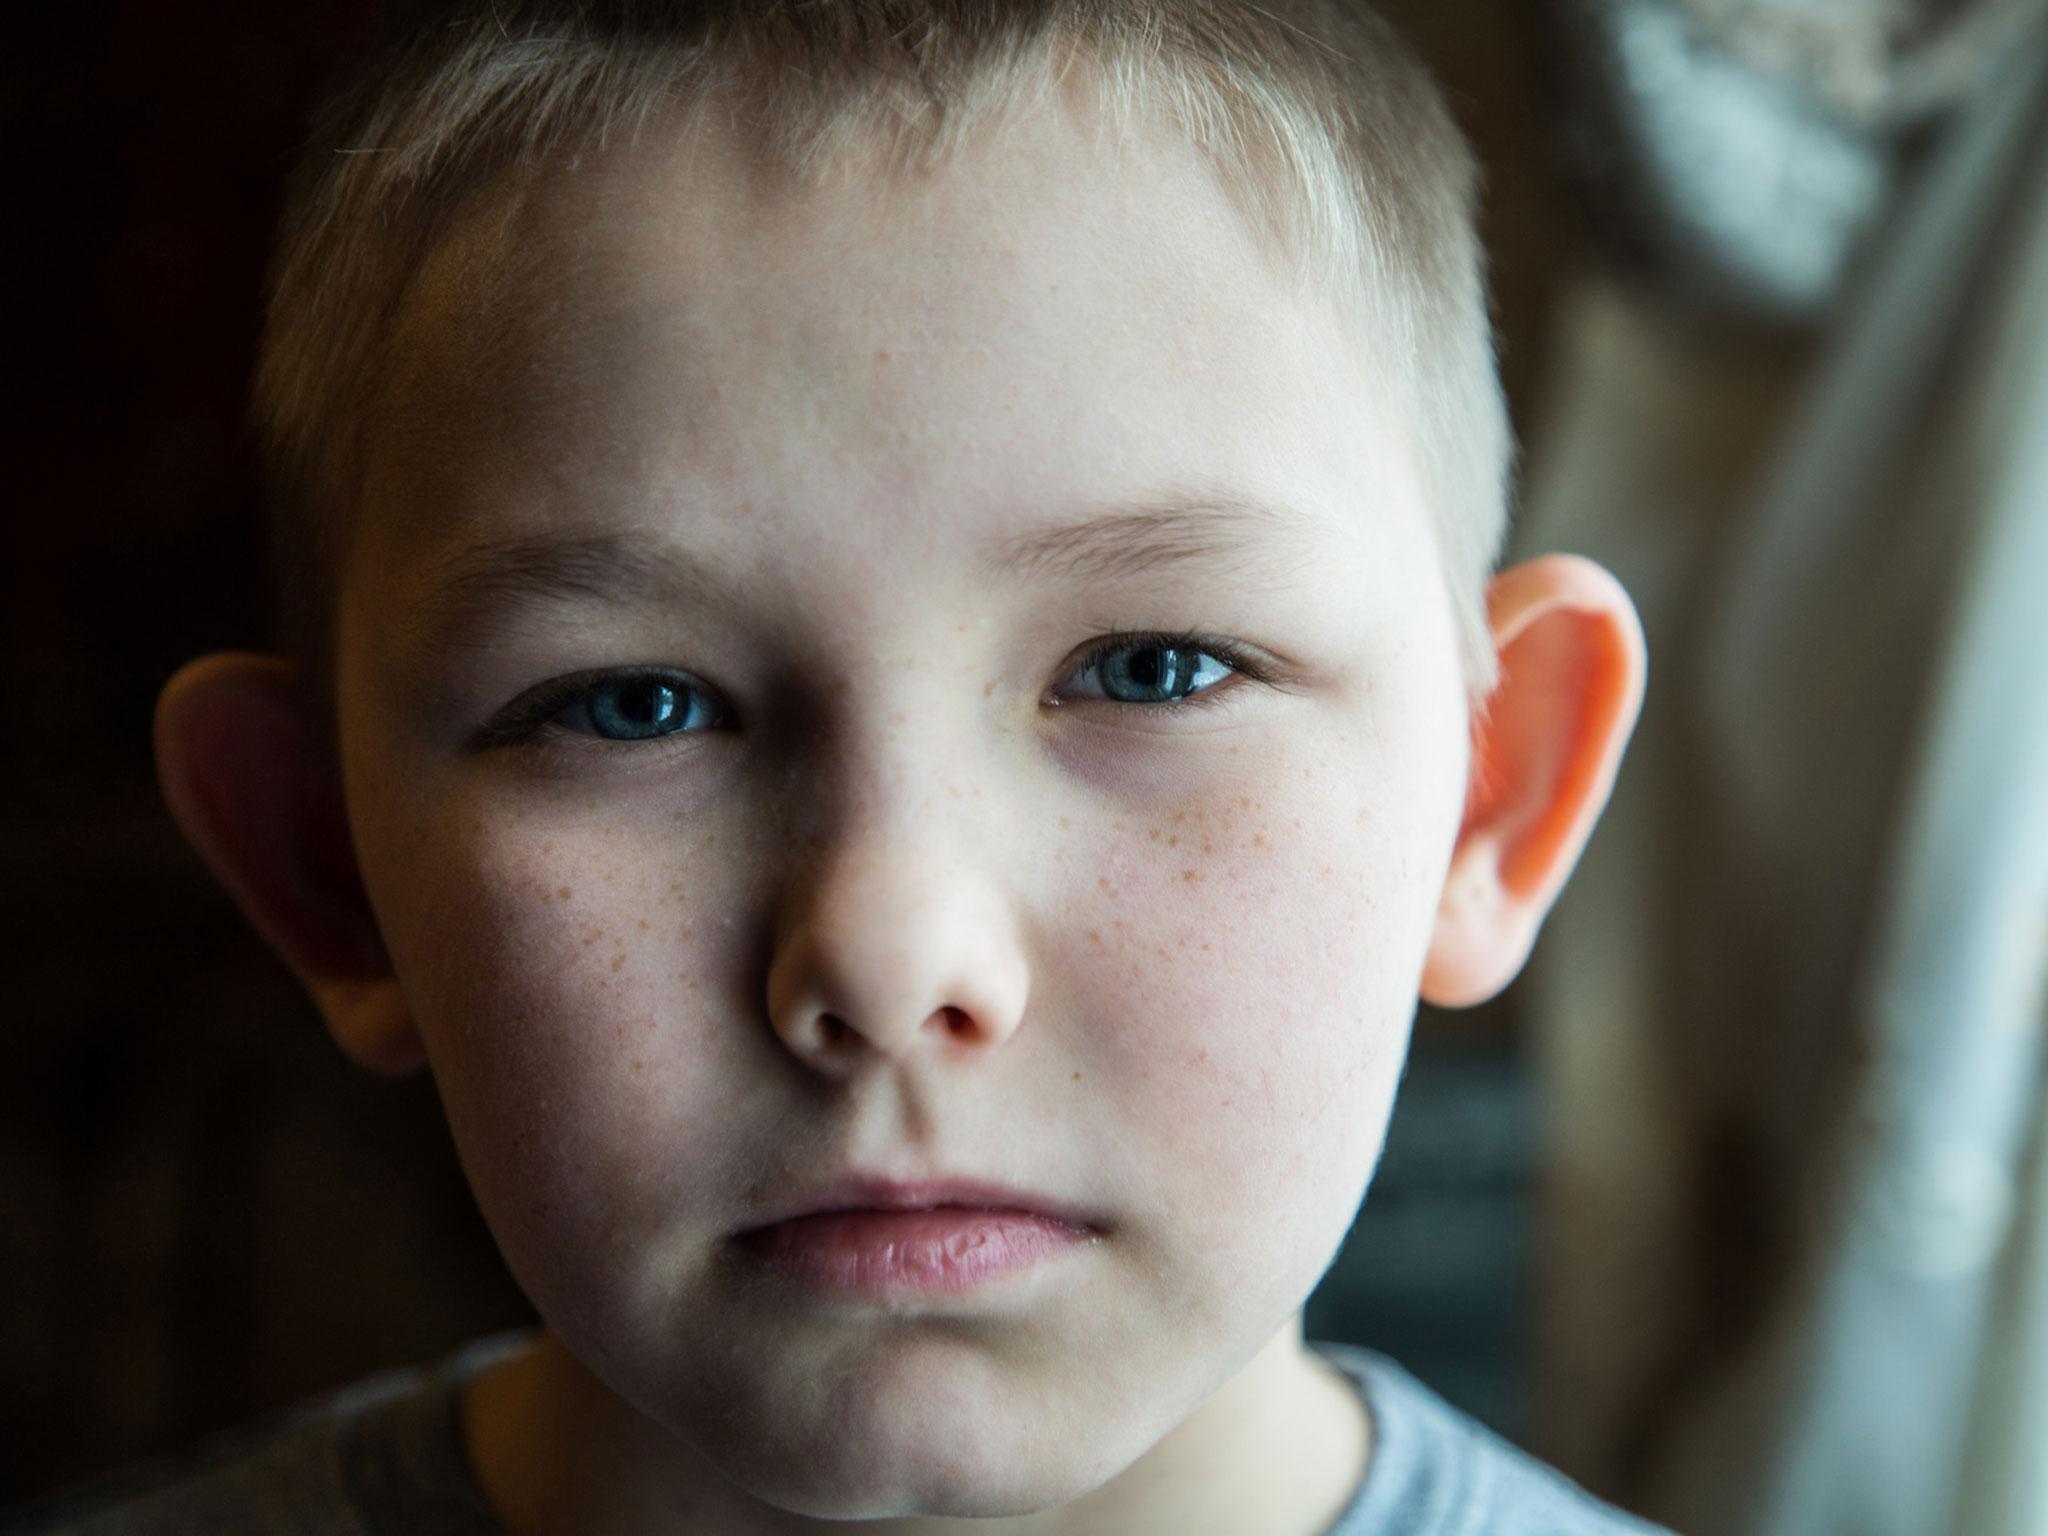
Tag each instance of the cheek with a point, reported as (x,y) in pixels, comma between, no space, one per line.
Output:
(572,1016)
(1260,957)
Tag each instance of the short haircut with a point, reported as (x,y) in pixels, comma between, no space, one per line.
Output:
(1327,132)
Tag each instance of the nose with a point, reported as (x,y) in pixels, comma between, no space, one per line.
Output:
(890,947)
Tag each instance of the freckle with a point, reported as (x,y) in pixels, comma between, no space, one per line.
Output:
(1327,871)
(1226,1103)
(1094,937)
(1205,947)
(1064,822)
(643,925)
(639,1065)
(608,875)
(1208,847)
(991,688)
(1155,834)
(619,961)
(1173,842)
(1202,1055)
(1179,816)
(675,887)
(1258,841)
(953,790)
(589,939)
(1189,875)
(1245,801)
(563,893)
(1297,823)
(547,845)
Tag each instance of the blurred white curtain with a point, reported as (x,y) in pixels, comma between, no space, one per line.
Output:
(1788,1015)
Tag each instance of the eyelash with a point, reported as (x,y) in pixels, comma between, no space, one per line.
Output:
(532,720)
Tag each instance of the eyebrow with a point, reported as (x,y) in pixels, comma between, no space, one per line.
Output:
(476,596)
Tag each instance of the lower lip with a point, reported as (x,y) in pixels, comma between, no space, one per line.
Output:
(948,1248)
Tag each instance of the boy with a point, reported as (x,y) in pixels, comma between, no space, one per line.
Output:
(893,679)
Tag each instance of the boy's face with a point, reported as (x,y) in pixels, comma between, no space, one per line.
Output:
(1157,962)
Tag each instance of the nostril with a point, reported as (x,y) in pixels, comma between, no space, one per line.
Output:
(835,1029)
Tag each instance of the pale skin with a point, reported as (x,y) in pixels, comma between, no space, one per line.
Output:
(911,892)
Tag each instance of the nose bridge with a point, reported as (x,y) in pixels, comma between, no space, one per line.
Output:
(894,749)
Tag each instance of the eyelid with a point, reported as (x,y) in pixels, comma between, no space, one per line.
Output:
(528,717)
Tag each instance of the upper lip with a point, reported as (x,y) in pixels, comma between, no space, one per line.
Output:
(869,1192)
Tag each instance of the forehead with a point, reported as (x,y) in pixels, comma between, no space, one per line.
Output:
(666,336)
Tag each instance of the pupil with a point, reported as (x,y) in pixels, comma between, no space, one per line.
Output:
(648,702)
(1148,667)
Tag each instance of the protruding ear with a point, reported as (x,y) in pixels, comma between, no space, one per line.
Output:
(262,804)
(1544,756)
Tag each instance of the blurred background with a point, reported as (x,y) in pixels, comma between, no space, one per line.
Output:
(1732,1206)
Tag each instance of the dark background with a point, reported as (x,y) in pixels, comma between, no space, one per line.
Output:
(206,1214)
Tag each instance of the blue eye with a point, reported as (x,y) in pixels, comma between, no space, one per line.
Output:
(1138,668)
(1141,671)
(634,707)
(621,707)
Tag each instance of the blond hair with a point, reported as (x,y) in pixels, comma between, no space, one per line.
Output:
(1325,130)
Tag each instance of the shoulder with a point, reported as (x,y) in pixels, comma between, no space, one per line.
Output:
(1435,1469)
(382,1455)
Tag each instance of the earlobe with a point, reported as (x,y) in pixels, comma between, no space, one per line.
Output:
(1545,753)
(261,803)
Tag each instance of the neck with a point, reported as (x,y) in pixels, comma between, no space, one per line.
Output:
(1280,1448)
